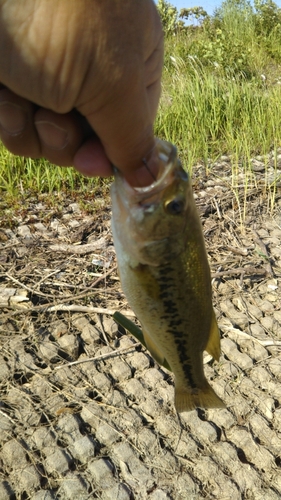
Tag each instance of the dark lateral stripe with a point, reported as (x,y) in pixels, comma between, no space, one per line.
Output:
(175,322)
(187,369)
(164,270)
(170,306)
(184,359)
(172,315)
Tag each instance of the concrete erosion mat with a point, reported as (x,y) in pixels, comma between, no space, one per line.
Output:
(106,427)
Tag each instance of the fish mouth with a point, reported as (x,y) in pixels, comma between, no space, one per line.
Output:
(167,154)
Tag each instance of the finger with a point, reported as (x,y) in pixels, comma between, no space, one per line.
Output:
(68,140)
(60,136)
(153,71)
(17,130)
(125,130)
(91,159)
(28,131)
(124,123)
(124,127)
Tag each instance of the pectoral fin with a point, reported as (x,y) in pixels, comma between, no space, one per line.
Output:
(213,344)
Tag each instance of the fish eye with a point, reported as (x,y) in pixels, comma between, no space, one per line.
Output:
(175,206)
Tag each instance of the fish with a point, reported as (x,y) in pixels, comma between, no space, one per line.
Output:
(165,275)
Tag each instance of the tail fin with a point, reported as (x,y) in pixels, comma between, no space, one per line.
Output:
(186,400)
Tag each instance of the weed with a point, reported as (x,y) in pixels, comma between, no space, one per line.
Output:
(221,95)
(221,88)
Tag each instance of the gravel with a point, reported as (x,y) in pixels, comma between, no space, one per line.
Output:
(106,428)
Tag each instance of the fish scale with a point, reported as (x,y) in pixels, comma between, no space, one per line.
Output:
(165,275)
(172,312)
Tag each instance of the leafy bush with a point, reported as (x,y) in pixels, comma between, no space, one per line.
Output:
(194,13)
(267,17)
(222,84)
(231,42)
(169,17)
(223,53)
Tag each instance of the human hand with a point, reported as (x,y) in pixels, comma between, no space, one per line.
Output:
(81,82)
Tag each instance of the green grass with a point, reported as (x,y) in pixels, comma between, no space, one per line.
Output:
(208,115)
(20,176)
(222,90)
(221,95)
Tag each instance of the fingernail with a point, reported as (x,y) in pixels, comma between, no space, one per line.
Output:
(12,118)
(54,137)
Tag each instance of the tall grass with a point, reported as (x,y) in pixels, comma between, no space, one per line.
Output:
(221,95)
(23,176)
(222,89)
(208,115)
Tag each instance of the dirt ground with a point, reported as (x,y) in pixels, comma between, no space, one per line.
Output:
(106,426)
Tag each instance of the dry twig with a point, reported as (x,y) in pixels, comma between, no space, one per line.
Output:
(240,270)
(79,249)
(98,358)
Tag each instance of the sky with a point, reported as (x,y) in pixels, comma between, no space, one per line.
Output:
(208,5)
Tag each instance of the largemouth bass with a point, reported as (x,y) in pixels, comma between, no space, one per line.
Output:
(165,275)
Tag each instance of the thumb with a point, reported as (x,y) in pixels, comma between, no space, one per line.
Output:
(124,126)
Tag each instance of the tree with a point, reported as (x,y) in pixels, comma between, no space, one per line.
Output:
(169,17)
(192,13)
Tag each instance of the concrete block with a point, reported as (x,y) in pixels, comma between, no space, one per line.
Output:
(83,449)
